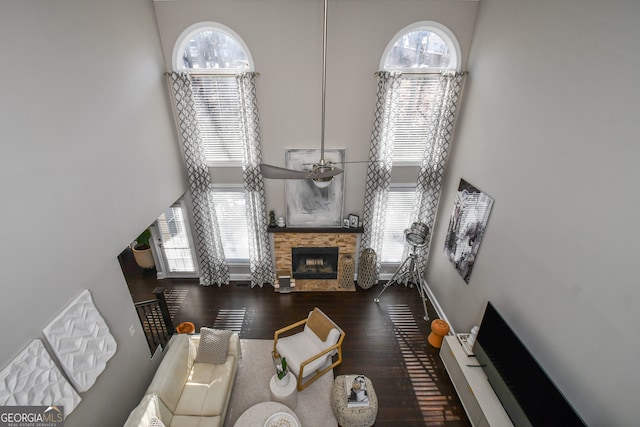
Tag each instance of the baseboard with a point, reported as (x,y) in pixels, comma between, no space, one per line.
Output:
(436,305)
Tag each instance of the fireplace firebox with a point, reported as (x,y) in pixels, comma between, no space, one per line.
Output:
(314,262)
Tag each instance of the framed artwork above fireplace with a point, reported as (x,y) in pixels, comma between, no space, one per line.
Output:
(306,204)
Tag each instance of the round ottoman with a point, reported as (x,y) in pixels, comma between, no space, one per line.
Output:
(439,328)
(266,413)
(361,416)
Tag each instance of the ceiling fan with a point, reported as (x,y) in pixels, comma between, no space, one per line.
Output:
(321,173)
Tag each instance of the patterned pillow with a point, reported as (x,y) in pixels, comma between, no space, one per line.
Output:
(214,345)
(155,422)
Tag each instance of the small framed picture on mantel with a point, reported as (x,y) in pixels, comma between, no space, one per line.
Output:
(354,221)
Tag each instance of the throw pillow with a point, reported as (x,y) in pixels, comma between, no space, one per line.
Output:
(155,422)
(214,345)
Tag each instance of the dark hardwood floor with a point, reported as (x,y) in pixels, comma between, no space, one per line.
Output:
(386,341)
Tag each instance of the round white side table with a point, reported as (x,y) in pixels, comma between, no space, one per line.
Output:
(258,414)
(287,394)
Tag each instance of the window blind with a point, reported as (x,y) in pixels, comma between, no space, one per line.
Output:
(217,108)
(415,98)
(175,240)
(232,221)
(399,205)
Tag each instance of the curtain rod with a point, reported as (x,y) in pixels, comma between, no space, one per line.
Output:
(464,73)
(168,73)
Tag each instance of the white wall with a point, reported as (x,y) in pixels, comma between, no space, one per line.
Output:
(549,129)
(88,159)
(285,40)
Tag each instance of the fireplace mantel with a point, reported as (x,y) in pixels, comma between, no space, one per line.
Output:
(356,230)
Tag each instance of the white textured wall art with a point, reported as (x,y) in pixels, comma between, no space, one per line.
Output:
(81,340)
(32,379)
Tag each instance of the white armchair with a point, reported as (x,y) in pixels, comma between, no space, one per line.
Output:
(310,352)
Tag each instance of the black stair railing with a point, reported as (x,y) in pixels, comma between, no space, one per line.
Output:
(155,319)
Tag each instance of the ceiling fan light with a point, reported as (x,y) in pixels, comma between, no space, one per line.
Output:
(322,182)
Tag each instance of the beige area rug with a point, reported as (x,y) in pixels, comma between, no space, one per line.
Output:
(251,386)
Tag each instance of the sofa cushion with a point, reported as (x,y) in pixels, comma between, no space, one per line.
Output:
(187,421)
(173,372)
(208,388)
(298,348)
(332,338)
(214,345)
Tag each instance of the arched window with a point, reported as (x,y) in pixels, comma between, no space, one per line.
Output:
(422,46)
(213,54)
(419,52)
(211,47)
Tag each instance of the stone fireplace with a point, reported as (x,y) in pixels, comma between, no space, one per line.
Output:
(308,240)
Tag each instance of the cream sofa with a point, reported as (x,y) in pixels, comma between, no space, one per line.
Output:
(187,393)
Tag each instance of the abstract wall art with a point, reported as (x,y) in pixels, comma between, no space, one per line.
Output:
(468,222)
(33,379)
(80,339)
(308,205)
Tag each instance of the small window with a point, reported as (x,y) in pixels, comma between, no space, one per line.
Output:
(399,205)
(421,46)
(176,248)
(231,213)
(211,47)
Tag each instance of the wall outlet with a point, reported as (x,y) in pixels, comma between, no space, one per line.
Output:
(132,329)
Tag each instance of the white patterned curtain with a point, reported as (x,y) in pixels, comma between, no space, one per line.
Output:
(260,259)
(380,163)
(213,269)
(431,175)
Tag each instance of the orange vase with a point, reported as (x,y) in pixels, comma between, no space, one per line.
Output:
(185,328)
(439,328)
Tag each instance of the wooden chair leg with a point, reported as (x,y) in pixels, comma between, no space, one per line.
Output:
(318,374)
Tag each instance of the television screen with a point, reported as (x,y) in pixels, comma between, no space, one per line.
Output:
(528,395)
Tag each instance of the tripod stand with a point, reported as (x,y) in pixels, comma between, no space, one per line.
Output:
(411,274)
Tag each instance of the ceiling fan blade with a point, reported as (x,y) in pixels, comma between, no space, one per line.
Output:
(275,172)
(346,162)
